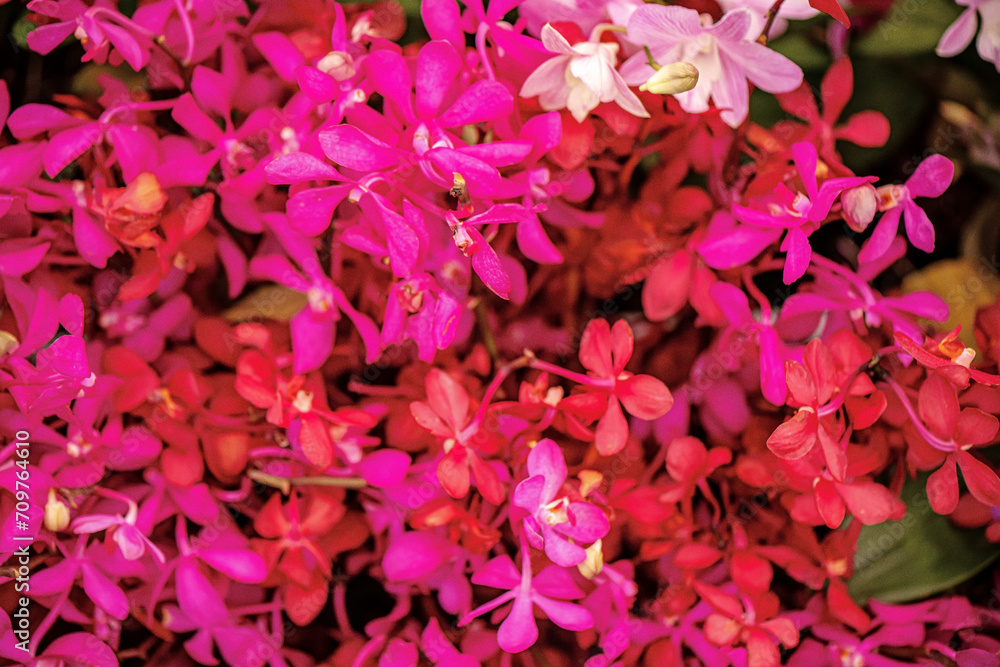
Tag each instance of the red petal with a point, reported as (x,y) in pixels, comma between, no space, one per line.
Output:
(595,348)
(314,439)
(612,431)
(833,8)
(796,437)
(453,472)
(686,459)
(829,503)
(622,342)
(823,368)
(447,398)
(644,396)
(800,383)
(696,556)
(666,288)
(975,427)
(871,503)
(836,89)
(942,487)
(487,480)
(982,480)
(938,406)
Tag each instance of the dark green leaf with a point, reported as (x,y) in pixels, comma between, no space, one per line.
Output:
(924,554)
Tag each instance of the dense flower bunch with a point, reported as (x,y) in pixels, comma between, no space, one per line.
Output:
(331,345)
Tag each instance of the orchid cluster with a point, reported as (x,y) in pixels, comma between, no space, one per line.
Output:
(378,334)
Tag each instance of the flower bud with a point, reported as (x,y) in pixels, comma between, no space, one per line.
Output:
(672,79)
(8,343)
(56,513)
(859,206)
(594,562)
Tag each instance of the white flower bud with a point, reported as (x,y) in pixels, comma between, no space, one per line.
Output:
(859,205)
(672,79)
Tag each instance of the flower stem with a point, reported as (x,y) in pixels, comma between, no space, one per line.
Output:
(285,484)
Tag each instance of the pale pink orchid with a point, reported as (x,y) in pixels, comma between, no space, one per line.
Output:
(725,53)
(960,33)
(580,77)
(119,529)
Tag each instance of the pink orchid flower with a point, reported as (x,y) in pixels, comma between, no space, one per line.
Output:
(930,179)
(960,33)
(580,76)
(786,212)
(559,525)
(519,630)
(725,53)
(120,529)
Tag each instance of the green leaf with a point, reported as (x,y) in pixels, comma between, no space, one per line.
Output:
(910,28)
(923,554)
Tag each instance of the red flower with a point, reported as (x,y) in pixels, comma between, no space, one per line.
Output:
(604,352)
(446,415)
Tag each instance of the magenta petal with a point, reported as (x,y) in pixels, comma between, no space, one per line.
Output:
(518,631)
(348,146)
(45,38)
(480,102)
(389,74)
(20,256)
(535,243)
(733,303)
(919,228)
(546,459)
(438,66)
(54,578)
(482,179)
(798,251)
(237,564)
(739,246)
(93,242)
(80,648)
(385,467)
(932,177)
(560,550)
(319,86)
(772,368)
(197,597)
(487,264)
(311,211)
(127,45)
(297,168)
(71,314)
(498,572)
(312,340)
(414,555)
(587,522)
(105,594)
(68,145)
(244,647)
(880,240)
(528,493)
(443,21)
(565,614)
(189,115)
(30,119)
(279,50)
